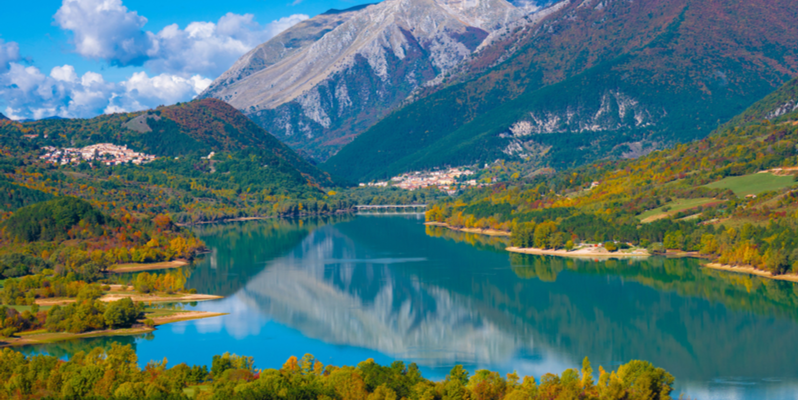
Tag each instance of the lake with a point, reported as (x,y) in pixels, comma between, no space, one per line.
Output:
(387,287)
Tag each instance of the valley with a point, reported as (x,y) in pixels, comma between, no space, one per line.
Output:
(438,199)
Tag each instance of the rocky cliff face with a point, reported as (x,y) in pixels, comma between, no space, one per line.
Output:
(320,83)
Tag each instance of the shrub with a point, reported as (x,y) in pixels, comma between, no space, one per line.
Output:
(656,248)
(611,246)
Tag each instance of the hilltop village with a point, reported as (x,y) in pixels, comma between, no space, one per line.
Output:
(107,153)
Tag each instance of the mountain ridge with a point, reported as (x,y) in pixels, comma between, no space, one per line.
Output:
(610,78)
(318,97)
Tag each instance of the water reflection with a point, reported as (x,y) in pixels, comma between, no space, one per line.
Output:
(388,288)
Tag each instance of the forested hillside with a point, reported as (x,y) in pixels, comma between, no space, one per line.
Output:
(731,196)
(250,173)
(69,235)
(596,80)
(191,129)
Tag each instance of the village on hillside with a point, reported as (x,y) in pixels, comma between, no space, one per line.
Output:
(107,153)
(449,180)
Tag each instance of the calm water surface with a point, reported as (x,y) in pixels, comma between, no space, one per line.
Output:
(390,288)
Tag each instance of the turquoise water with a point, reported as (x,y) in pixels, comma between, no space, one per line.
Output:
(389,288)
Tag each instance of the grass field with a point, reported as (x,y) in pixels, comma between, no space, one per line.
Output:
(754,183)
(674,207)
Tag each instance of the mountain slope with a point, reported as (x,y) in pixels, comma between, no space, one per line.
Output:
(692,197)
(323,81)
(595,79)
(191,130)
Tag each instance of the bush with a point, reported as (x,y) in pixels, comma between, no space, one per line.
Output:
(121,313)
(8,332)
(656,248)
(611,246)
(149,323)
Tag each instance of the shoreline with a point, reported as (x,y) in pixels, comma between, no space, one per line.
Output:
(751,271)
(239,219)
(138,267)
(669,254)
(223,220)
(489,232)
(38,337)
(584,252)
(136,297)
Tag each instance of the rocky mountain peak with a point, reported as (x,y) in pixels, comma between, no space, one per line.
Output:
(319,83)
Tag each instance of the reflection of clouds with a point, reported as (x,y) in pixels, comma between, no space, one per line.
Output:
(737,389)
(548,362)
(243,319)
(327,292)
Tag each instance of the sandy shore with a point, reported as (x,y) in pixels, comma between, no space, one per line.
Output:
(185,316)
(586,252)
(42,337)
(124,268)
(139,297)
(490,232)
(224,220)
(752,271)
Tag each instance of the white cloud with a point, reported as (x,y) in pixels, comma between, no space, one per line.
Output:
(162,89)
(107,30)
(64,73)
(179,61)
(28,93)
(9,52)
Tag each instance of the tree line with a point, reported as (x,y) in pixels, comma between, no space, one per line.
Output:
(114,374)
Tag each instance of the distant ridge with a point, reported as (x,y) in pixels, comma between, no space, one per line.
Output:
(2,117)
(334,11)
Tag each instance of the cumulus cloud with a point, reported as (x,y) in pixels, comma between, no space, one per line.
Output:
(30,94)
(9,52)
(178,61)
(107,30)
(141,91)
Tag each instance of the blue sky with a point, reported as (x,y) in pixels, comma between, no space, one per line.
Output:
(80,58)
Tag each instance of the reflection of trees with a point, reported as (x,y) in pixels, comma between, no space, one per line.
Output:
(381,283)
(684,276)
(479,241)
(680,275)
(671,312)
(70,347)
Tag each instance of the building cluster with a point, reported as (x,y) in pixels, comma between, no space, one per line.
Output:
(446,180)
(107,153)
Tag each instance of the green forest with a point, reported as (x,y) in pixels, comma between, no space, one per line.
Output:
(114,373)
